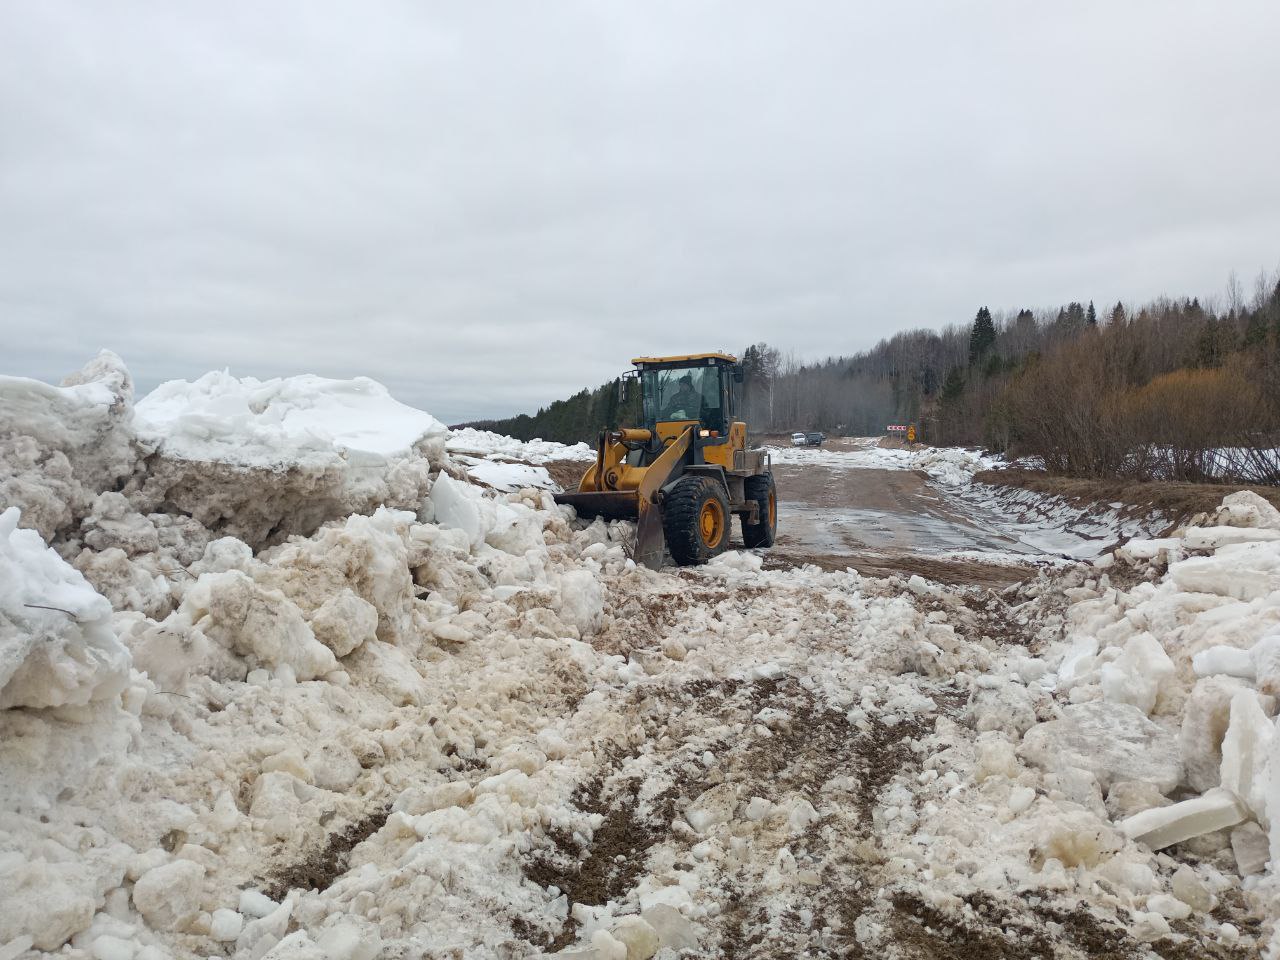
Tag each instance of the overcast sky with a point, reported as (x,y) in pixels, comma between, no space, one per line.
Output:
(489,205)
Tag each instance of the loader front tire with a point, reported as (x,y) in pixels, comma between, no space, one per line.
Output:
(695,520)
(761,489)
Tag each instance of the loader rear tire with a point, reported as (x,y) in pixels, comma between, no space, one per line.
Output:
(695,520)
(761,489)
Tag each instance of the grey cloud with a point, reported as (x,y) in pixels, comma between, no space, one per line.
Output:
(488,206)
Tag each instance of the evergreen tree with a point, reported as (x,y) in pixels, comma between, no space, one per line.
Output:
(752,366)
(983,336)
(1118,317)
(1255,331)
(1091,317)
(611,404)
(953,388)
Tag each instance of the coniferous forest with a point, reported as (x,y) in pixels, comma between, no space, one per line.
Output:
(1171,389)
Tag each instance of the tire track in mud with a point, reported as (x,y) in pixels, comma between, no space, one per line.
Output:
(844,893)
(816,744)
(878,522)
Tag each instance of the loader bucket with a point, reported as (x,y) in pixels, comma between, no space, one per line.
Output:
(640,505)
(610,504)
(624,505)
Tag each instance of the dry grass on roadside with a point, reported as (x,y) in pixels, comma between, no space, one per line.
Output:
(567,473)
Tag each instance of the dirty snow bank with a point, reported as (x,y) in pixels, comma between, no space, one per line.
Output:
(383,662)
(168,763)
(259,460)
(60,446)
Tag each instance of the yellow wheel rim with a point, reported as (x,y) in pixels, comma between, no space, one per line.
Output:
(773,509)
(711,523)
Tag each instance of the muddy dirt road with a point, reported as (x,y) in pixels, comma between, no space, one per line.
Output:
(883,522)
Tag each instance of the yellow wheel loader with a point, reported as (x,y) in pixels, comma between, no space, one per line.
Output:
(687,471)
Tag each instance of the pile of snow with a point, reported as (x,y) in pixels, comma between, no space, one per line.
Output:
(293,422)
(60,446)
(1139,723)
(951,466)
(260,460)
(1197,651)
(487,445)
(199,724)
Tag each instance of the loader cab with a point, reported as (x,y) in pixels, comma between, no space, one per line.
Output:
(701,387)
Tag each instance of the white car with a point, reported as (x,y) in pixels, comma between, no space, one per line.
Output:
(798,440)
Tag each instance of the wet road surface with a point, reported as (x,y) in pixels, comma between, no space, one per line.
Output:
(883,522)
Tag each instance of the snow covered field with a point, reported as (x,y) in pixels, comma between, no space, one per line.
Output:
(277,680)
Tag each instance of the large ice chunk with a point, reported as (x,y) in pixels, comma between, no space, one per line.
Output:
(168,896)
(1163,826)
(1113,741)
(1246,571)
(463,506)
(1204,723)
(581,601)
(367,556)
(1140,675)
(1247,509)
(47,902)
(57,646)
(1260,663)
(1211,538)
(1245,752)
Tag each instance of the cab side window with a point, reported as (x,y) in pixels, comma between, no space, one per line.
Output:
(713,401)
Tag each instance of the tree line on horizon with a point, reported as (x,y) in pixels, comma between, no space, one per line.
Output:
(1170,389)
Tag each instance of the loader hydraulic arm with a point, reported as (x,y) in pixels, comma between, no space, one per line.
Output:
(649,538)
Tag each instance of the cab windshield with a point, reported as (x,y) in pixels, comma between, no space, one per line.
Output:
(684,393)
